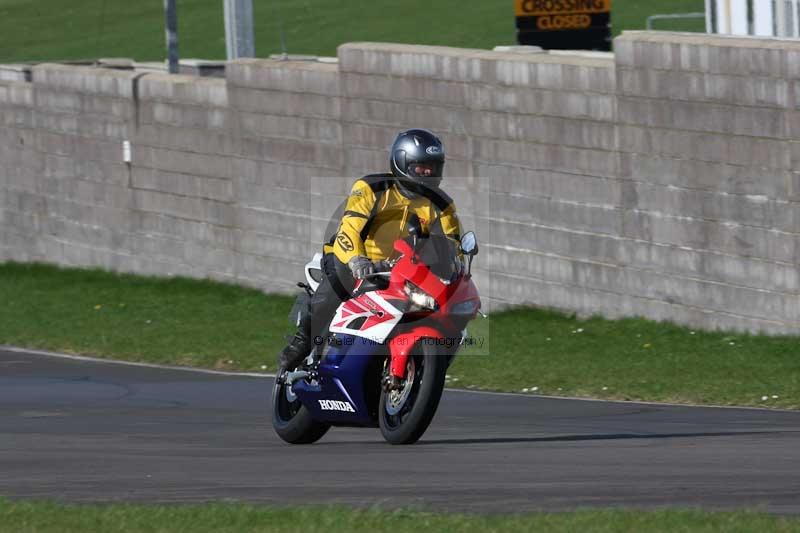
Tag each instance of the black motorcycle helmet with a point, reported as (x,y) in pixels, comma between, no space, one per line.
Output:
(417,159)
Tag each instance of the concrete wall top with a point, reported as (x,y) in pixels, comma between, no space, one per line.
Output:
(708,39)
(184,89)
(294,76)
(449,51)
(709,54)
(595,74)
(89,80)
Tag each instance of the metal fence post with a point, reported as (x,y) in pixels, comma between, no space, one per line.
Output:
(239,40)
(171,15)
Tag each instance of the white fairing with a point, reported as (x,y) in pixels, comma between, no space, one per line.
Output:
(315,263)
(380,317)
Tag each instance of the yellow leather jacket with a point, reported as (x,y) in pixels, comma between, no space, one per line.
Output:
(377,213)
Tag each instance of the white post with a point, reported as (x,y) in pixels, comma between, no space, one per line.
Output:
(763,17)
(723,16)
(738,16)
(239,41)
(780,18)
(709,19)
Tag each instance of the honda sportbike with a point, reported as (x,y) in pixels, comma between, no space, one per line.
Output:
(387,349)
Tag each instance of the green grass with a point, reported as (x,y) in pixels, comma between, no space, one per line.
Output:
(37,30)
(176,321)
(208,324)
(45,517)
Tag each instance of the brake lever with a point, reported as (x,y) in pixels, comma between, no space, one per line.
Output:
(378,275)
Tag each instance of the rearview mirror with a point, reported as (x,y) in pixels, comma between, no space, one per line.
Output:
(469,243)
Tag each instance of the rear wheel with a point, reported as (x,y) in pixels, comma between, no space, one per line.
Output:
(405,414)
(291,420)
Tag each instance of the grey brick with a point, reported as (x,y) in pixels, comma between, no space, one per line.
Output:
(283,175)
(213,260)
(274,222)
(546,157)
(561,241)
(542,102)
(753,210)
(299,128)
(746,241)
(269,197)
(198,209)
(712,147)
(185,116)
(400,115)
(718,54)
(220,189)
(712,266)
(293,76)
(549,184)
(274,102)
(701,116)
(553,213)
(181,228)
(544,129)
(705,175)
(278,273)
(382,87)
(17,94)
(199,140)
(85,79)
(292,152)
(183,89)
(361,161)
(700,86)
(264,244)
(184,162)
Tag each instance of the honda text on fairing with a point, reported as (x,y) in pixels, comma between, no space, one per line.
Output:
(384,358)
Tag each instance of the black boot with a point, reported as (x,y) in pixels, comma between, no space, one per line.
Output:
(294,353)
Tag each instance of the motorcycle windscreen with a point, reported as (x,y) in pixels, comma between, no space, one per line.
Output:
(442,256)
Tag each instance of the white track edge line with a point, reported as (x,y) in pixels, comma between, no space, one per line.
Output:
(16,349)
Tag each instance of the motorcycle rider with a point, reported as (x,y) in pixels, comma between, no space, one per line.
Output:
(375,215)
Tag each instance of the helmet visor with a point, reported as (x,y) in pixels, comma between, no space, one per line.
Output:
(425,170)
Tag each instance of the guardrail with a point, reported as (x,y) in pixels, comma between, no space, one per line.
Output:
(669,16)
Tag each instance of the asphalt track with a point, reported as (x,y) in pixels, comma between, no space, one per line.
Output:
(84,431)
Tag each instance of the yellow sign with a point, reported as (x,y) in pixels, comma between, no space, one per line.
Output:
(536,8)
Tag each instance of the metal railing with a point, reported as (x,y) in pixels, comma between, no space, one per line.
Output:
(670,16)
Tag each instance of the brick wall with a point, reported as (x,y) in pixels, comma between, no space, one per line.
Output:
(655,182)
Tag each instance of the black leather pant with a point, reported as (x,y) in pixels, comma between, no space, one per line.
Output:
(336,286)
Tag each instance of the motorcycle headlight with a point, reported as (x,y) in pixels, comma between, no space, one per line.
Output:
(467,307)
(420,300)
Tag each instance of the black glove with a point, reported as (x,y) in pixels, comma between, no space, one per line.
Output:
(361,267)
(384,265)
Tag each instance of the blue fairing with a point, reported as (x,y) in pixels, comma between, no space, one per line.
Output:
(341,382)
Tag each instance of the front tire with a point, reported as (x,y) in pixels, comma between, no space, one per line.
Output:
(403,416)
(292,421)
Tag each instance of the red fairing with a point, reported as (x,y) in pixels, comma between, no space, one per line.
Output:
(400,347)
(446,296)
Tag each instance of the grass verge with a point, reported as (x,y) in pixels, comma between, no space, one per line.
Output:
(53,29)
(214,325)
(43,517)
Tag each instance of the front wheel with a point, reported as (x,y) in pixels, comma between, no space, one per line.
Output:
(291,420)
(404,415)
